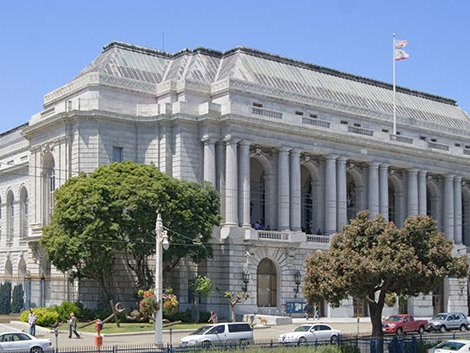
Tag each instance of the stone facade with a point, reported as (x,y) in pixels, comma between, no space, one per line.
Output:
(294,149)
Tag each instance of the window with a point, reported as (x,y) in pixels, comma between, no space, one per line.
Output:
(467,146)
(267,283)
(24,210)
(385,130)
(357,125)
(458,145)
(299,113)
(344,122)
(48,188)
(257,105)
(239,328)
(216,330)
(422,138)
(398,133)
(10,216)
(433,140)
(314,116)
(117,154)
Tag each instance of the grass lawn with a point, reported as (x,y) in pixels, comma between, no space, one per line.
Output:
(110,327)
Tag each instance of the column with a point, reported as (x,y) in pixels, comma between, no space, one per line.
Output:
(209,160)
(412,192)
(449,207)
(422,201)
(295,191)
(458,210)
(220,181)
(373,189)
(245,183)
(341,193)
(283,189)
(383,191)
(231,182)
(330,194)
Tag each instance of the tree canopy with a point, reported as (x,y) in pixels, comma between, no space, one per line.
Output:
(112,211)
(371,258)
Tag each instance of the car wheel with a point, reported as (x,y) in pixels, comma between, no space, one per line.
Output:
(463,328)
(206,344)
(442,329)
(399,331)
(243,343)
(36,350)
(421,330)
(302,341)
(334,339)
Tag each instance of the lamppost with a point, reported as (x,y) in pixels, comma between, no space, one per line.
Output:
(161,243)
(297,280)
(246,280)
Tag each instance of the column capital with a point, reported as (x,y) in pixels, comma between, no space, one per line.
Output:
(342,159)
(331,157)
(413,171)
(284,149)
(230,140)
(245,143)
(458,178)
(295,151)
(449,176)
(423,172)
(206,139)
(384,165)
(373,164)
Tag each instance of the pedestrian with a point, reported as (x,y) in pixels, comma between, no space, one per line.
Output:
(315,312)
(32,322)
(213,318)
(307,311)
(73,326)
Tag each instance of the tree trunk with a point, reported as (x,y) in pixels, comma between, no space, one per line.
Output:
(196,308)
(233,312)
(376,319)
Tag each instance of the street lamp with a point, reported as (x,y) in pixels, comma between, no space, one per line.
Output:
(161,243)
(246,280)
(297,280)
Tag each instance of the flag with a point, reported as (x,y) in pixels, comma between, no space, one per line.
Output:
(401,54)
(399,44)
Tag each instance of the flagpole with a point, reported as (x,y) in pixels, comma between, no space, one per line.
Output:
(394,88)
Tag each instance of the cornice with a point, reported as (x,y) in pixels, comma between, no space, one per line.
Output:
(15,152)
(73,86)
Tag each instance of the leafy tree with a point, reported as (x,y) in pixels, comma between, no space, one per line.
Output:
(17,299)
(112,211)
(371,258)
(234,299)
(201,287)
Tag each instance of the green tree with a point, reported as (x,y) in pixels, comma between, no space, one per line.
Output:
(112,211)
(233,300)
(201,287)
(371,258)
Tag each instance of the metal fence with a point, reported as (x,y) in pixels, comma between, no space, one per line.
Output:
(388,344)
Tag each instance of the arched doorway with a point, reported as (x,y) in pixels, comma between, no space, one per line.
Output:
(267,283)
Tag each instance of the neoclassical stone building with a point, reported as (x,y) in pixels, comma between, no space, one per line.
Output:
(294,149)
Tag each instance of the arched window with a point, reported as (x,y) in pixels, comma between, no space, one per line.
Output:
(267,283)
(48,188)
(10,216)
(24,213)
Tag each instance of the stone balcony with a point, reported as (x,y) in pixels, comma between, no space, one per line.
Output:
(288,236)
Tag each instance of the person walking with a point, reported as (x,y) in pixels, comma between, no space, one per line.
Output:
(73,326)
(213,318)
(32,322)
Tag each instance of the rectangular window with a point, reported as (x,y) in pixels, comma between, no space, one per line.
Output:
(433,140)
(344,122)
(422,138)
(385,130)
(299,113)
(357,125)
(458,145)
(314,116)
(257,105)
(398,133)
(117,154)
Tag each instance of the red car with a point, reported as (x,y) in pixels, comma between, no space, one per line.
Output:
(403,323)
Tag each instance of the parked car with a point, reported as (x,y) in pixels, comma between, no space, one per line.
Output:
(403,323)
(448,321)
(23,342)
(206,336)
(311,333)
(452,346)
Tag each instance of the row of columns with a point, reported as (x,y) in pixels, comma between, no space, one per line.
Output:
(289,189)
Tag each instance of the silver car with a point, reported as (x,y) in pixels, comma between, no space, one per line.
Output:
(448,321)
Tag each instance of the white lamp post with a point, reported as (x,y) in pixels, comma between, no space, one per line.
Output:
(162,243)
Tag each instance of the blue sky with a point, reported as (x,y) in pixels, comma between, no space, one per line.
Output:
(45,43)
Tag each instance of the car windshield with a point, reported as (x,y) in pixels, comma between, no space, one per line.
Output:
(439,317)
(394,318)
(303,328)
(450,345)
(201,330)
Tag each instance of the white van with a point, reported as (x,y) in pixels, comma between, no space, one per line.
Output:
(231,332)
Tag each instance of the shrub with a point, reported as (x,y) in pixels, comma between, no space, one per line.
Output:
(66,308)
(204,316)
(45,316)
(5,298)
(17,300)
(183,316)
